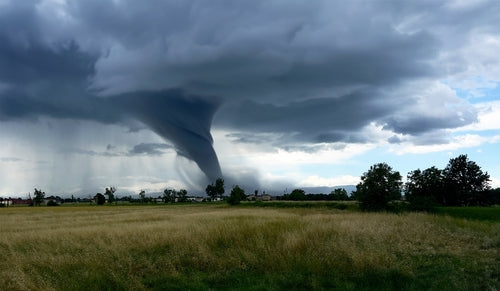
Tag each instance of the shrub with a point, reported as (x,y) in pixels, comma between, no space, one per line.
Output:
(237,194)
(52,203)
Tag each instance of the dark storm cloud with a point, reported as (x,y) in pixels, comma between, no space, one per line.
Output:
(317,120)
(415,125)
(307,72)
(266,50)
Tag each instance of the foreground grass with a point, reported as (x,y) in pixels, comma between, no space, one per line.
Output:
(203,247)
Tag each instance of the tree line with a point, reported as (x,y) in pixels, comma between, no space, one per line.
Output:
(460,183)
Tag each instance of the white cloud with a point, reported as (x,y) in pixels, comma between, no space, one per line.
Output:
(316,181)
(481,66)
(276,167)
(488,118)
(457,142)
(495,183)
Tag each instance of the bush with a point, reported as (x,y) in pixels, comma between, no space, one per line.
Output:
(100,199)
(52,203)
(237,194)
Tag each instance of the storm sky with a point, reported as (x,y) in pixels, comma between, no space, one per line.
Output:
(268,94)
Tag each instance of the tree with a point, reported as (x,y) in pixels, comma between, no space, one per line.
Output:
(237,194)
(339,194)
(182,195)
(39,196)
(110,192)
(424,188)
(214,191)
(378,187)
(493,196)
(142,195)
(464,182)
(99,199)
(169,195)
(298,195)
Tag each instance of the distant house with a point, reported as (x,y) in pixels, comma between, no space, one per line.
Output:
(263,197)
(15,201)
(55,199)
(195,199)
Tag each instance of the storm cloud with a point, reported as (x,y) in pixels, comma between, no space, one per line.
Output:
(305,72)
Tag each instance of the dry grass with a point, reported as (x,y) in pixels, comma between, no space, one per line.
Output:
(221,247)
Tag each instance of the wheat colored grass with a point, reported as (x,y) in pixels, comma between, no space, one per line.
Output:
(60,248)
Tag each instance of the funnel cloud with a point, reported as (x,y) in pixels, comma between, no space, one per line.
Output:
(183,119)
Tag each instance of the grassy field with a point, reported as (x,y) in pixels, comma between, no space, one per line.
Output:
(214,246)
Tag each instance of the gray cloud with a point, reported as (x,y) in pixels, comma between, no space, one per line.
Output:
(279,52)
(150,149)
(10,159)
(147,149)
(316,120)
(417,124)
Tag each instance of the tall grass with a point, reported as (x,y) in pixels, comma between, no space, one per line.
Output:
(203,247)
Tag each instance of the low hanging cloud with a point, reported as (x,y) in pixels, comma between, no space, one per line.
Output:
(305,72)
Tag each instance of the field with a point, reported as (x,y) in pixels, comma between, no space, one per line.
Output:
(215,246)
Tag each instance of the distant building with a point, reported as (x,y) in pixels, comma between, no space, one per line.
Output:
(15,201)
(263,197)
(195,199)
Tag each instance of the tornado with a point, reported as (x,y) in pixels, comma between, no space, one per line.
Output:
(181,118)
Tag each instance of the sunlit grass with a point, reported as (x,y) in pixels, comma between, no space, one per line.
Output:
(222,247)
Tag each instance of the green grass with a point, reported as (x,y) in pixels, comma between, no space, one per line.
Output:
(218,247)
(476,213)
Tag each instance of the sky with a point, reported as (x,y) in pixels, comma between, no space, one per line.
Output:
(271,95)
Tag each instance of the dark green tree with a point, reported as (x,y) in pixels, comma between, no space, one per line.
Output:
(182,195)
(424,188)
(215,190)
(110,192)
(298,195)
(39,196)
(237,194)
(99,199)
(339,194)
(493,196)
(142,196)
(464,182)
(378,187)
(169,195)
